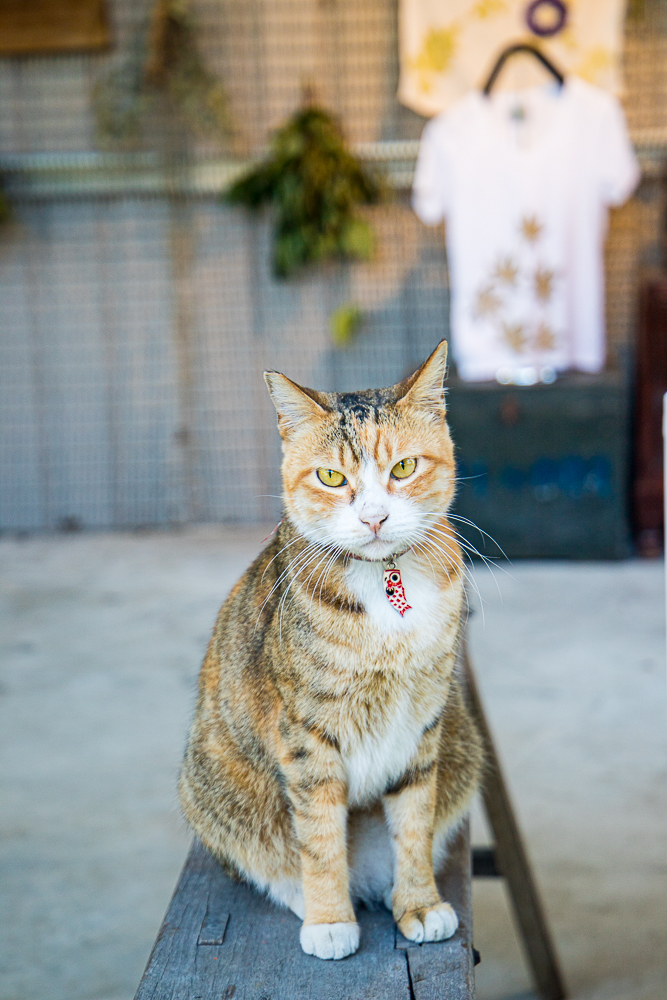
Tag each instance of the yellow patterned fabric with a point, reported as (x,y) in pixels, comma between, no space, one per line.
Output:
(448,47)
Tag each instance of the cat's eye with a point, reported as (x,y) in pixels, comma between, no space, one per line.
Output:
(331,478)
(404,468)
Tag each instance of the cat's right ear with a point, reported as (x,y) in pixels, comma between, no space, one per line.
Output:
(293,403)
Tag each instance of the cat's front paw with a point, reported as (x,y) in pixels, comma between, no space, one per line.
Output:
(330,940)
(433,923)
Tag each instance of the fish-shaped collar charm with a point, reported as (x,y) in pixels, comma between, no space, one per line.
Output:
(393,588)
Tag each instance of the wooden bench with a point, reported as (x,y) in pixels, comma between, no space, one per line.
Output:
(221,939)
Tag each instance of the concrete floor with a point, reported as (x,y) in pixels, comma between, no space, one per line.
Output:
(101,639)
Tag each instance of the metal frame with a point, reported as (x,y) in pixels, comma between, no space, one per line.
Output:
(34,176)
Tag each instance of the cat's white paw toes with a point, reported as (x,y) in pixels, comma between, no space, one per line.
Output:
(440,923)
(433,924)
(330,940)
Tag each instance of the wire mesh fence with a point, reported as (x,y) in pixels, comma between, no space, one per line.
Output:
(136,321)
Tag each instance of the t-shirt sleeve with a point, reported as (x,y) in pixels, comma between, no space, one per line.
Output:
(430,187)
(619,169)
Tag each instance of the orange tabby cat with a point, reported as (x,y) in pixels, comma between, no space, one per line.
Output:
(331,752)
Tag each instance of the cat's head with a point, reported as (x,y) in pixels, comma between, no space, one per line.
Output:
(366,472)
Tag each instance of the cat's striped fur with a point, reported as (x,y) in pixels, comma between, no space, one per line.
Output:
(331,751)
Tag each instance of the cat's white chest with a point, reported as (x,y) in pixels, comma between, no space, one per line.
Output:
(380,759)
(424,617)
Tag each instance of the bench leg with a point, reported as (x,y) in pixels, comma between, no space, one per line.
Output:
(511,856)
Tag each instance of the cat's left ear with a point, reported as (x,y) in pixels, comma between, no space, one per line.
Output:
(426,387)
(294,403)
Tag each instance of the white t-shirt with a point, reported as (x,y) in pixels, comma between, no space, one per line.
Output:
(523,181)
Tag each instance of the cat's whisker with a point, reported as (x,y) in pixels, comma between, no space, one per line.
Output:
(325,553)
(418,548)
(466,581)
(296,539)
(311,544)
(286,570)
(318,582)
(446,568)
(484,534)
(279,552)
(443,541)
(470,583)
(296,560)
(335,553)
(468,576)
(323,575)
(471,549)
(468,546)
(424,538)
(459,572)
(465,543)
(339,551)
(284,595)
(489,562)
(302,565)
(281,605)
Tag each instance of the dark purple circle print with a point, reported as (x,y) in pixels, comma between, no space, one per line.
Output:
(532,14)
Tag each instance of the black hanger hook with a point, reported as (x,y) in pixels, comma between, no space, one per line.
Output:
(512,50)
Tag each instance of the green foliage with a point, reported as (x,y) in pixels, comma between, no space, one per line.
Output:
(164,59)
(345,323)
(314,184)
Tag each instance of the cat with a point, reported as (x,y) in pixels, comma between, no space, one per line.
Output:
(331,752)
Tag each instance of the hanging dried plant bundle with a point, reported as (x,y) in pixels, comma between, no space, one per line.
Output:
(164,59)
(314,184)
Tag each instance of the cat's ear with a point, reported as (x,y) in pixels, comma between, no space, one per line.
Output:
(425,388)
(293,403)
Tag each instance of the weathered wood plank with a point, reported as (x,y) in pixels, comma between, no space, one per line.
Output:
(441,972)
(168,975)
(221,939)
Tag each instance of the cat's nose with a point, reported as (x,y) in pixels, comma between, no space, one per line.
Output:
(374,519)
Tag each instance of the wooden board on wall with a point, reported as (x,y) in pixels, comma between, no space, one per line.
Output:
(32,27)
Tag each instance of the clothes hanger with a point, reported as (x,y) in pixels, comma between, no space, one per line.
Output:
(513,50)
